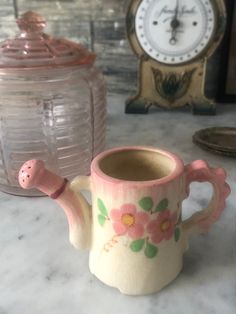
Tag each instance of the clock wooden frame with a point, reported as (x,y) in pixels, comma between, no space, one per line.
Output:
(170,85)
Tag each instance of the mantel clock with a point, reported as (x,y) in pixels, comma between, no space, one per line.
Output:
(173,39)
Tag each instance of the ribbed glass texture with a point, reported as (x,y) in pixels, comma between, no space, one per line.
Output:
(57,115)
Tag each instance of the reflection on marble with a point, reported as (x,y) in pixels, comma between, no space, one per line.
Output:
(41,273)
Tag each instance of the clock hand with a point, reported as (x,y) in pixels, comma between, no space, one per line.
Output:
(176,10)
(175,23)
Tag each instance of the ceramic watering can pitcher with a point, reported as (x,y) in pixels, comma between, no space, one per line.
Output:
(134,230)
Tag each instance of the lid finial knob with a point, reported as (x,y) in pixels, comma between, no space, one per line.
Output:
(31,22)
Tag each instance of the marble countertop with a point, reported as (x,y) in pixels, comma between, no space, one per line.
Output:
(41,273)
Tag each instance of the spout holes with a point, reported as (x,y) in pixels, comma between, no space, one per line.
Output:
(28,176)
(29,167)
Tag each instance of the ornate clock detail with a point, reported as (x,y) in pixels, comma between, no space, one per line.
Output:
(173,40)
(171,85)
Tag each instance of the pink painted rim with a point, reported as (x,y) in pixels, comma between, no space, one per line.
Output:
(179,168)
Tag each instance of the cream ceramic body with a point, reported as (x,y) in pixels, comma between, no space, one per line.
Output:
(134,229)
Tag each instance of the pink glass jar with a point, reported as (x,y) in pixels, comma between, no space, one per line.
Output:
(52,104)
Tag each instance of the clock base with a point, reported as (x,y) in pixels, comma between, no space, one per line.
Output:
(205,108)
(137,105)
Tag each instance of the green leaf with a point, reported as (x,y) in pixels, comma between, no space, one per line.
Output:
(150,250)
(102,207)
(162,206)
(137,245)
(146,203)
(177,234)
(101,220)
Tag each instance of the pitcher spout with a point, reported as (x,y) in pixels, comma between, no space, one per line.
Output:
(33,174)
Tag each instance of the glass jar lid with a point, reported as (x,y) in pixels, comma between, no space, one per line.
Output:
(33,48)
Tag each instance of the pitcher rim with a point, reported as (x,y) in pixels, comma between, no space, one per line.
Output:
(178,170)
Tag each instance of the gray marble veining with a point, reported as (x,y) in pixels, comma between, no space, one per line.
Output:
(41,273)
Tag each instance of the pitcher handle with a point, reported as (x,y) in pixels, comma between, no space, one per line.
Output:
(200,171)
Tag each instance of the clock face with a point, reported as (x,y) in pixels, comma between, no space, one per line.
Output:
(175,31)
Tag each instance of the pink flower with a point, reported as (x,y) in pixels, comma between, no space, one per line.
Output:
(127,220)
(163,227)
